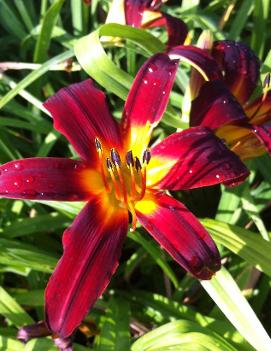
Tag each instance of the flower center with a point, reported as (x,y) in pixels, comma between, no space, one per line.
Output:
(124,179)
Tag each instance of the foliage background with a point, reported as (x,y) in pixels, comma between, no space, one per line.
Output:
(149,289)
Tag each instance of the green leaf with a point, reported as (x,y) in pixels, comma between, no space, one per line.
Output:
(9,344)
(115,332)
(226,294)
(155,252)
(48,23)
(248,245)
(179,336)
(31,77)
(11,310)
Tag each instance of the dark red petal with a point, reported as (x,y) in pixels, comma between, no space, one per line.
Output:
(43,179)
(240,65)
(81,114)
(148,97)
(92,247)
(134,10)
(179,232)
(191,159)
(199,58)
(176,28)
(215,106)
(263,133)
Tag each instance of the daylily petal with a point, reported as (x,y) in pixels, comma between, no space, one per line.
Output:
(263,133)
(259,111)
(48,179)
(147,101)
(92,248)
(81,114)
(215,106)
(179,232)
(134,10)
(176,28)
(197,58)
(240,65)
(191,159)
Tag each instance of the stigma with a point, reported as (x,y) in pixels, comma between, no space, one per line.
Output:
(124,176)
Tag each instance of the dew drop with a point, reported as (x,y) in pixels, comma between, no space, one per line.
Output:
(145,81)
(152,68)
(5,169)
(217,176)
(154,83)
(18,166)
(163,92)
(29,180)
(224,101)
(17,183)
(190,171)
(6,191)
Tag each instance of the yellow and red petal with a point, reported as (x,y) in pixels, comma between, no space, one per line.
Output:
(147,101)
(92,246)
(134,10)
(199,59)
(240,65)
(179,232)
(191,159)
(259,111)
(48,179)
(81,114)
(215,107)
(176,29)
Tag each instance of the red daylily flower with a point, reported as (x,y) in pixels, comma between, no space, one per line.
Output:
(118,174)
(147,14)
(225,105)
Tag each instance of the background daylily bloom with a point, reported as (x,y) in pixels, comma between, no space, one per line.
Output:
(147,14)
(225,105)
(118,174)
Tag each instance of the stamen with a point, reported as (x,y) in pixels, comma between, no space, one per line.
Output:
(137,164)
(130,159)
(115,157)
(143,182)
(98,145)
(266,86)
(146,156)
(112,175)
(130,164)
(99,149)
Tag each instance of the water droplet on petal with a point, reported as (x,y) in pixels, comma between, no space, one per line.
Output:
(152,68)
(18,166)
(29,180)
(217,176)
(163,92)
(5,169)
(145,81)
(17,183)
(6,191)
(190,171)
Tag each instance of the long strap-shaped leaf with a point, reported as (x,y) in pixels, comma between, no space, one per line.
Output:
(226,294)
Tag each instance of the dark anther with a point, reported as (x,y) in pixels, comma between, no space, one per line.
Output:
(98,144)
(109,164)
(266,82)
(137,164)
(115,157)
(130,159)
(146,156)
